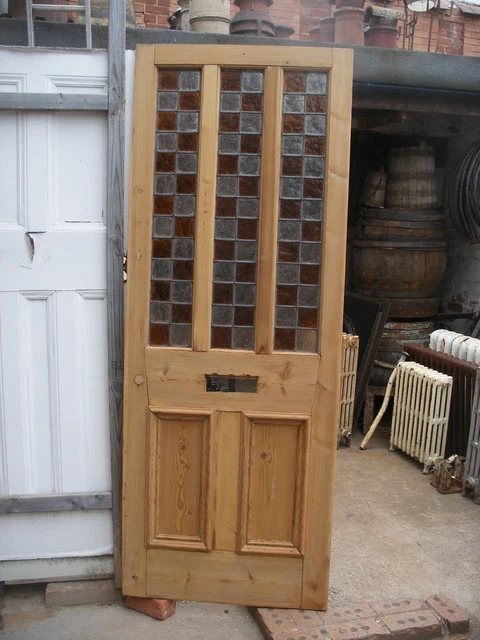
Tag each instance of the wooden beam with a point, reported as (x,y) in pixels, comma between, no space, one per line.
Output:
(56,502)
(115,244)
(53,102)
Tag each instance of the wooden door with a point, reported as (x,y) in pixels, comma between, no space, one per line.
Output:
(234,316)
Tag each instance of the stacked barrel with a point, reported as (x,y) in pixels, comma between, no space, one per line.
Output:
(400,251)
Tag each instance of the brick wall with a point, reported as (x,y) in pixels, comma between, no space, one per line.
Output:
(457,34)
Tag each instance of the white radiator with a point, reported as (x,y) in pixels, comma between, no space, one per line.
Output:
(349,379)
(420,412)
(471,483)
(456,345)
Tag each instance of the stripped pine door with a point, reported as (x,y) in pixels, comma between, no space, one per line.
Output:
(234,311)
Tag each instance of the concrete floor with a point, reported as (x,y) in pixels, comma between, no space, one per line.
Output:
(394,536)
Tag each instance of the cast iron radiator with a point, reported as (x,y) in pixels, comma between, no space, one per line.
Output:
(471,483)
(420,412)
(464,376)
(350,345)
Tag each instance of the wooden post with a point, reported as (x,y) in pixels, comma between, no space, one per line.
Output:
(115,295)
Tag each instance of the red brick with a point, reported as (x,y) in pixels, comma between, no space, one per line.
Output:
(150,18)
(274,620)
(308,634)
(361,629)
(397,605)
(306,619)
(456,619)
(157,608)
(339,615)
(413,625)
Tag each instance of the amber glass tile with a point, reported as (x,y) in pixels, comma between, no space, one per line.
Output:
(248,186)
(312,188)
(189,101)
(159,335)
(244,316)
(221,337)
(250,143)
(307,317)
(162,248)
(293,123)
(230,80)
(182,313)
(227,165)
(306,340)
(247,229)
(167,121)
(316,104)
(284,339)
(184,227)
(224,250)
(229,122)
(290,208)
(163,205)
(294,82)
(314,146)
(188,141)
(165,162)
(222,293)
(252,102)
(226,207)
(311,231)
(186,183)
(183,270)
(245,272)
(288,251)
(286,295)
(309,274)
(160,291)
(168,80)
(292,165)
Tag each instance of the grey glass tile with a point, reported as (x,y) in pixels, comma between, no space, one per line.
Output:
(245,295)
(292,145)
(306,340)
(187,163)
(189,81)
(182,291)
(180,335)
(308,296)
(249,165)
(242,338)
(167,101)
(164,184)
(287,273)
(316,83)
(313,167)
(187,121)
(161,269)
(230,102)
(228,143)
(285,317)
(163,226)
(227,186)
(289,230)
(252,82)
(312,210)
(251,123)
(310,253)
(160,312)
(184,206)
(222,315)
(293,103)
(223,271)
(247,207)
(315,125)
(225,228)
(166,141)
(246,251)
(183,248)
(291,188)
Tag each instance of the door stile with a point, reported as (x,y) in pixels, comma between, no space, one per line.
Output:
(136,324)
(269,198)
(320,485)
(205,212)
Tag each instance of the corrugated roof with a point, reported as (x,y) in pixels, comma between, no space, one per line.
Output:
(466,7)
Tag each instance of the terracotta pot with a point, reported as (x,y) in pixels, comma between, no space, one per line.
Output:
(349,26)
(357,4)
(325,32)
(212,16)
(252,23)
(382,36)
(282,31)
(253,5)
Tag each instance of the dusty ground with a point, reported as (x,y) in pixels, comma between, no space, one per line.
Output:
(394,536)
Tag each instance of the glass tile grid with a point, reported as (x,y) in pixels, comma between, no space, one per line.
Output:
(173,241)
(237,209)
(300,211)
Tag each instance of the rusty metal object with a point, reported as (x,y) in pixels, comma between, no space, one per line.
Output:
(448,474)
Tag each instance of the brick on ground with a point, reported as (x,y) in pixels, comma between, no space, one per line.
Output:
(397,605)
(339,615)
(359,629)
(413,625)
(456,619)
(273,621)
(158,608)
(304,619)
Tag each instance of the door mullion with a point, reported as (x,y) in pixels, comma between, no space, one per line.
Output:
(205,212)
(269,193)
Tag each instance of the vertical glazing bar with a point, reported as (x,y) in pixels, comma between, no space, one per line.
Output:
(31,42)
(88,24)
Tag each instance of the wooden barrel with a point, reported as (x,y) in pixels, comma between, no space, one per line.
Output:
(407,273)
(412,183)
(398,224)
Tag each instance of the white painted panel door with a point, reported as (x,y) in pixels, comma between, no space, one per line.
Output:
(53,389)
